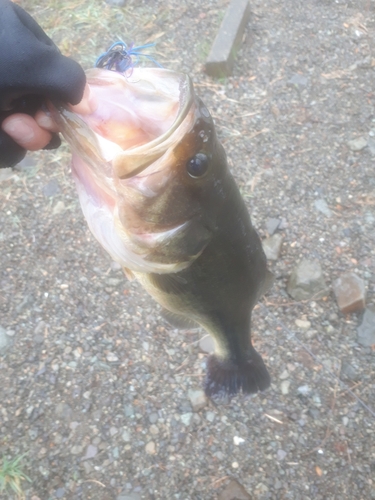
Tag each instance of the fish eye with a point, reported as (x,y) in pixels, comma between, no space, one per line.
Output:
(198,165)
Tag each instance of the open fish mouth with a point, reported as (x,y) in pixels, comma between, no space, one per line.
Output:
(148,108)
(123,154)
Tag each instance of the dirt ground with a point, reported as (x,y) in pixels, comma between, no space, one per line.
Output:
(94,384)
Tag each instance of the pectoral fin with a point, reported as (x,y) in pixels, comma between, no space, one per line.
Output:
(128,273)
(178,321)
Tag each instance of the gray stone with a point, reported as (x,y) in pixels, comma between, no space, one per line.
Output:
(153,418)
(59,493)
(128,410)
(277,484)
(284,375)
(198,399)
(91,452)
(306,281)
(186,418)
(220,61)
(366,331)
(284,386)
(40,328)
(38,339)
(125,436)
(272,246)
(350,293)
(210,416)
(272,225)
(281,454)
(207,344)
(234,491)
(321,206)
(52,188)
(5,340)
(357,144)
(304,390)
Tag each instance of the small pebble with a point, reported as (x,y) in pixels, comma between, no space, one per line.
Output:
(91,452)
(125,436)
(210,416)
(272,225)
(357,144)
(303,324)
(150,448)
(153,418)
(238,440)
(59,493)
(284,375)
(272,246)
(321,206)
(350,293)
(235,465)
(111,357)
(197,399)
(304,390)
(366,331)
(206,344)
(186,418)
(284,386)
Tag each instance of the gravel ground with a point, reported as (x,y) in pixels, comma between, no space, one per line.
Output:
(95,385)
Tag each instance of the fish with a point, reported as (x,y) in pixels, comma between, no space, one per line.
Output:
(156,191)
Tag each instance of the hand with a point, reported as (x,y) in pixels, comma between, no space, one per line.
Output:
(33,133)
(32,70)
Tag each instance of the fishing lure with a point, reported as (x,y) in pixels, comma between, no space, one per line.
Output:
(119,57)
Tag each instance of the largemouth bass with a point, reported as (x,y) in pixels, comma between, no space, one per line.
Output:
(156,191)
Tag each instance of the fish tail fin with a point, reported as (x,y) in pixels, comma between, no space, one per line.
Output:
(227,378)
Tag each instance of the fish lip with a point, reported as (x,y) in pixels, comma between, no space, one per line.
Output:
(188,91)
(145,155)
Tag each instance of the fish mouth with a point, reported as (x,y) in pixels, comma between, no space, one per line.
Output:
(169,94)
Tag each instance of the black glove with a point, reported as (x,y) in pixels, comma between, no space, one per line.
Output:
(31,69)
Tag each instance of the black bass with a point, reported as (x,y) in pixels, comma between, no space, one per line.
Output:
(156,191)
